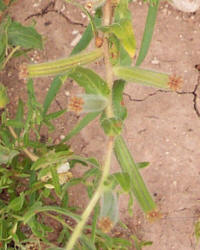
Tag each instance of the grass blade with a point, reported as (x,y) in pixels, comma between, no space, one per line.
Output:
(148,32)
(83,123)
(52,92)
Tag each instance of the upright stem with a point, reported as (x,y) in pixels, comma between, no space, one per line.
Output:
(105,171)
(107,18)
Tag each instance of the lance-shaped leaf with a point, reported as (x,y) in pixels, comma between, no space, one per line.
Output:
(90,81)
(143,76)
(86,37)
(3,96)
(52,92)
(82,124)
(59,66)
(138,186)
(38,208)
(26,37)
(17,203)
(124,32)
(117,99)
(148,32)
(51,158)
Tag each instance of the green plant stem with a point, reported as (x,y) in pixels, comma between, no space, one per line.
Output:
(107,19)
(105,171)
(10,55)
(32,156)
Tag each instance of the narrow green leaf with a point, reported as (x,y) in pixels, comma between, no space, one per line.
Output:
(55,180)
(2,5)
(3,45)
(86,37)
(19,115)
(17,203)
(51,158)
(138,186)
(124,58)
(143,76)
(37,208)
(123,180)
(142,164)
(197,231)
(90,81)
(82,124)
(14,124)
(117,97)
(94,222)
(55,115)
(4,100)
(148,32)
(26,37)
(52,92)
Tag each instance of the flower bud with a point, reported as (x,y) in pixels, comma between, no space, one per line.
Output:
(86,103)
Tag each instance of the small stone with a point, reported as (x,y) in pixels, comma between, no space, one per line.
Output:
(155,61)
(83,15)
(74,32)
(67,93)
(62,137)
(75,40)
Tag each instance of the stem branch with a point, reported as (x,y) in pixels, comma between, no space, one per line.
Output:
(105,171)
(32,156)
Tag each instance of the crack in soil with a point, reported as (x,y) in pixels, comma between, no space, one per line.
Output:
(50,7)
(194,93)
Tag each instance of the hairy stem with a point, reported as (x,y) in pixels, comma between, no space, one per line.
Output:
(105,171)
(107,19)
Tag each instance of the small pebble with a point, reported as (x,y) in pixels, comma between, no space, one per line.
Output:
(155,61)
(74,32)
(75,40)
(83,15)
(67,93)
(62,137)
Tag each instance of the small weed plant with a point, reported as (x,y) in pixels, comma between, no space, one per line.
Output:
(33,171)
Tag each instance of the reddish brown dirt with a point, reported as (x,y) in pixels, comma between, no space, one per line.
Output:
(162,128)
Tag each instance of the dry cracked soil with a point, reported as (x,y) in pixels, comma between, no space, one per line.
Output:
(162,128)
